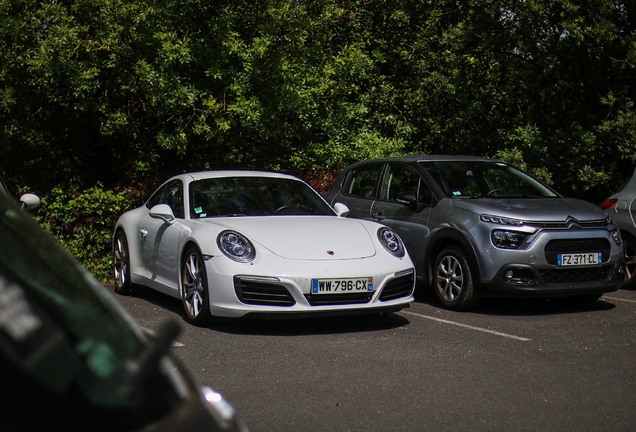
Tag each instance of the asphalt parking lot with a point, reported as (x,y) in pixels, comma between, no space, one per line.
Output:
(510,365)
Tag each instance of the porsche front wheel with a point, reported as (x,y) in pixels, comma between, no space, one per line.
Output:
(194,287)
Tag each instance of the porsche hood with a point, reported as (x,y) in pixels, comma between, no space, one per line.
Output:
(306,237)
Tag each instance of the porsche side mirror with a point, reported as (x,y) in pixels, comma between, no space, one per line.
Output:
(162,211)
(341,209)
(29,201)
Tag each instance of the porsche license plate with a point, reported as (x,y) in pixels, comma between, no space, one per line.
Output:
(579,259)
(341,286)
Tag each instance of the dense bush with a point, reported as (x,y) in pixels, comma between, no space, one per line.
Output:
(96,91)
(83,222)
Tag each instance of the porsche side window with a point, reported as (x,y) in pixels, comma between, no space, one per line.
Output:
(171,194)
(363,181)
(156,198)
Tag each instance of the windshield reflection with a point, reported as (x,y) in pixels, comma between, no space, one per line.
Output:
(254,196)
(485,179)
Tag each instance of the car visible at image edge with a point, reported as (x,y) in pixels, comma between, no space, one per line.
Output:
(72,359)
(477,227)
(621,207)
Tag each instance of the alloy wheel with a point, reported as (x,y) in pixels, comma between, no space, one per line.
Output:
(121,264)
(194,287)
(450,278)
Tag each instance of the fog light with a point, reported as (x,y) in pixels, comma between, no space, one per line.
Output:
(519,276)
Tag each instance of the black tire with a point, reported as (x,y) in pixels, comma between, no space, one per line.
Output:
(453,280)
(194,288)
(629,251)
(121,264)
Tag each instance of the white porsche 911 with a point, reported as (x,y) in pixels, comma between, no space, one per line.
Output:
(240,243)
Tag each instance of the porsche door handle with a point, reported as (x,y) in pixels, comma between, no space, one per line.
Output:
(144,233)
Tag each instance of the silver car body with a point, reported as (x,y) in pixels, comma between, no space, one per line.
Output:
(440,208)
(621,207)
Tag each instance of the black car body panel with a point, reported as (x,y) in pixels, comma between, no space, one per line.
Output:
(72,359)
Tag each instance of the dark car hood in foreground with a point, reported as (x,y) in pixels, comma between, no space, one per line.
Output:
(532,209)
(74,359)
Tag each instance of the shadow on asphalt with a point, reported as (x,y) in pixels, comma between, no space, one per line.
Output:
(155,297)
(367,323)
(520,307)
(311,326)
(277,326)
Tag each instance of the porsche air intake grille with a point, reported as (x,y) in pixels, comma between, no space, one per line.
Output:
(338,299)
(262,293)
(562,276)
(401,286)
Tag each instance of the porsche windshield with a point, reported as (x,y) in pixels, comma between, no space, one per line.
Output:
(485,179)
(254,196)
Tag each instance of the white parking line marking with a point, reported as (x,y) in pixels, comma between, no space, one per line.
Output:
(619,299)
(496,333)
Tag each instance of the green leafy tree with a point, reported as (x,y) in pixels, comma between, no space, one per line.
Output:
(118,91)
(121,92)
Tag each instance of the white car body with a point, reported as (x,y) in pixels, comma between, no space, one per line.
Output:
(290,251)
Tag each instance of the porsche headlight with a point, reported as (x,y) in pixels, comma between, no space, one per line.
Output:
(236,246)
(391,242)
